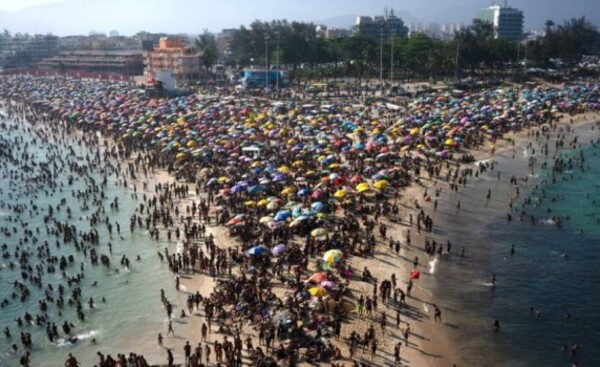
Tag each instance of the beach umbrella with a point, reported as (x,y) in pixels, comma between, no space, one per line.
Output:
(234,221)
(317,292)
(340,194)
(282,316)
(333,256)
(320,233)
(415,274)
(287,191)
(256,189)
(318,277)
(282,215)
(303,192)
(256,250)
(266,219)
(328,284)
(278,250)
(362,187)
(356,179)
(317,194)
(381,184)
(317,206)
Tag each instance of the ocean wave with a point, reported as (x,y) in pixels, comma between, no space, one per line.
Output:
(77,338)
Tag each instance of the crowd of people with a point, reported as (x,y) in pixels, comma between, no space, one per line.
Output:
(301,188)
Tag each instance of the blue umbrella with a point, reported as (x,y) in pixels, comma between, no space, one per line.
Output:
(317,206)
(256,189)
(255,251)
(303,192)
(237,189)
(282,215)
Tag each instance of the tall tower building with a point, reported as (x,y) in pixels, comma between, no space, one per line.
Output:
(507,21)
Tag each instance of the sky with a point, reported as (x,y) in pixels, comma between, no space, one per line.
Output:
(67,17)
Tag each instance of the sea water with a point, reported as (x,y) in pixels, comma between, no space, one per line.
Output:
(131,317)
(554,269)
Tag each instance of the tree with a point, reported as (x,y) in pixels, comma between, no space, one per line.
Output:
(207,44)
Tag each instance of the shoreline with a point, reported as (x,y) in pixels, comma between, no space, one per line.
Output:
(402,265)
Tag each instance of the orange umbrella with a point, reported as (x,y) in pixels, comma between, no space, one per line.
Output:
(318,277)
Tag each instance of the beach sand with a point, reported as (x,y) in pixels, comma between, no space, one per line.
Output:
(429,342)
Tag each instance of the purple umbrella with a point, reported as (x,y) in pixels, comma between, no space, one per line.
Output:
(328,284)
(278,250)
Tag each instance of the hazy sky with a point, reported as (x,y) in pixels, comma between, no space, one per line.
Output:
(63,17)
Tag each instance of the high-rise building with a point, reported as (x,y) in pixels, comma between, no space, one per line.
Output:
(380,26)
(507,21)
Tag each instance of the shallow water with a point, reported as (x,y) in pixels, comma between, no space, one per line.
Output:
(132,316)
(554,270)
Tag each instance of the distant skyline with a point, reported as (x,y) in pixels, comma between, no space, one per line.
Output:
(69,17)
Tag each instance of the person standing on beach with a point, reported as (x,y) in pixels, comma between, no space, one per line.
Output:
(187,349)
(406,333)
(397,358)
(437,313)
(170,330)
(170,358)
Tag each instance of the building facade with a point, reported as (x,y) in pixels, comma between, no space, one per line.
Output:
(385,26)
(117,62)
(171,58)
(507,21)
(25,50)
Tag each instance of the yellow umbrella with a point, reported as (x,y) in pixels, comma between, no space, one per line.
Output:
(223,179)
(362,187)
(256,164)
(263,202)
(310,173)
(319,233)
(284,169)
(287,191)
(339,194)
(180,155)
(317,292)
(333,256)
(297,163)
(450,142)
(381,184)
(250,203)
(334,165)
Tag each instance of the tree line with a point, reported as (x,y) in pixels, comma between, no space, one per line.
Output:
(472,51)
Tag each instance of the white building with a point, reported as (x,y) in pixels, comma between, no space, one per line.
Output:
(507,21)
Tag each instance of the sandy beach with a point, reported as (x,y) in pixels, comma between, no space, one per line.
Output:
(422,328)
(430,344)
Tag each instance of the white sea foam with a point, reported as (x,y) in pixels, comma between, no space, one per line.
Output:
(80,337)
(432,265)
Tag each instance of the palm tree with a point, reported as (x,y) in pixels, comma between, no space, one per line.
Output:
(549,25)
(207,44)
